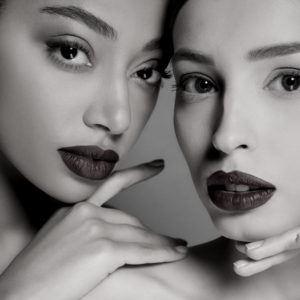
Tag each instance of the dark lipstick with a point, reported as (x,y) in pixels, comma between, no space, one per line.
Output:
(90,162)
(224,190)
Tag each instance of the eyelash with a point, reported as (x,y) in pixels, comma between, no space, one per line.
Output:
(55,45)
(150,65)
(180,86)
(295,73)
(183,80)
(166,74)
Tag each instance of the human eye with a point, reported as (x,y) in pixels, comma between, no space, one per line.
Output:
(285,82)
(196,83)
(151,73)
(70,53)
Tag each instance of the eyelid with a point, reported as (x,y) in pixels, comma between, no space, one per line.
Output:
(153,64)
(55,43)
(63,38)
(184,78)
(150,64)
(280,72)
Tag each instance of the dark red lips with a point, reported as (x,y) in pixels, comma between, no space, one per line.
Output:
(90,162)
(258,193)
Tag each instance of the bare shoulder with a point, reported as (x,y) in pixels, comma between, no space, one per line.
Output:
(191,278)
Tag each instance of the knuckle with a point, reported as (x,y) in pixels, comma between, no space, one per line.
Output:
(145,234)
(135,221)
(82,210)
(94,228)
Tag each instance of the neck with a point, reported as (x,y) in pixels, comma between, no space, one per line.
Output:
(22,202)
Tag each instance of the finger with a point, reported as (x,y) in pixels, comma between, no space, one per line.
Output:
(86,211)
(273,245)
(133,234)
(123,179)
(115,216)
(248,267)
(137,254)
(240,246)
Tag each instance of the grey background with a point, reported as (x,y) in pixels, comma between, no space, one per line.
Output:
(167,203)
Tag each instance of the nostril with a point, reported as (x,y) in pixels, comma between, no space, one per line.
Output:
(102,126)
(244,146)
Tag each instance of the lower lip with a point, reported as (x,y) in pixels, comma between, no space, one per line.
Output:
(87,167)
(240,201)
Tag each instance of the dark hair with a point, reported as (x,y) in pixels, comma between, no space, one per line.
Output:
(174,9)
(2,4)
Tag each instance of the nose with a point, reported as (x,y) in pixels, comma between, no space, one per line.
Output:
(236,129)
(109,108)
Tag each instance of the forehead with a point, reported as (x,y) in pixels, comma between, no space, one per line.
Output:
(129,17)
(217,26)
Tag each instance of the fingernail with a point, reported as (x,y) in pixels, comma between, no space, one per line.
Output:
(181,242)
(254,245)
(156,163)
(241,263)
(181,249)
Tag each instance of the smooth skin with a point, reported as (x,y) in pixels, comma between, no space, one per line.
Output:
(247,121)
(102,96)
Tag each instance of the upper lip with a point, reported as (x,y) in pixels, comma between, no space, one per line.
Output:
(93,152)
(237,178)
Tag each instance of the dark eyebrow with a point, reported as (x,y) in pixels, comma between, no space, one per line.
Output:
(80,15)
(153,45)
(273,51)
(193,56)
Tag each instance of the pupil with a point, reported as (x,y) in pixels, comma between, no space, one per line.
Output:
(69,52)
(290,83)
(145,74)
(203,86)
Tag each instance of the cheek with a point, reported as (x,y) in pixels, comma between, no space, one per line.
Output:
(142,104)
(194,127)
(38,116)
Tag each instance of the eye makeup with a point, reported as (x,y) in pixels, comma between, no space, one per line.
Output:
(186,84)
(151,73)
(284,82)
(70,53)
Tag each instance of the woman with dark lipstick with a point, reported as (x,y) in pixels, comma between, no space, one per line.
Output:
(78,82)
(237,71)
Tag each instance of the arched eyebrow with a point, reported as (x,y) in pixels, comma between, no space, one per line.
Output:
(80,15)
(273,51)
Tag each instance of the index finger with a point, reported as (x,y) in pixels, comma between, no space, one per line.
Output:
(123,179)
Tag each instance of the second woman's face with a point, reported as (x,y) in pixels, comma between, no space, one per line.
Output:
(76,74)
(237,67)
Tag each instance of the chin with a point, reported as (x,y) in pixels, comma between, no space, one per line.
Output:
(244,228)
(69,190)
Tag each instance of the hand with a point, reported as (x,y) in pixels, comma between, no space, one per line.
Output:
(80,246)
(267,253)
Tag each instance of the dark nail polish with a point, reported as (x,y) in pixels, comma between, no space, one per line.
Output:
(181,242)
(156,163)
